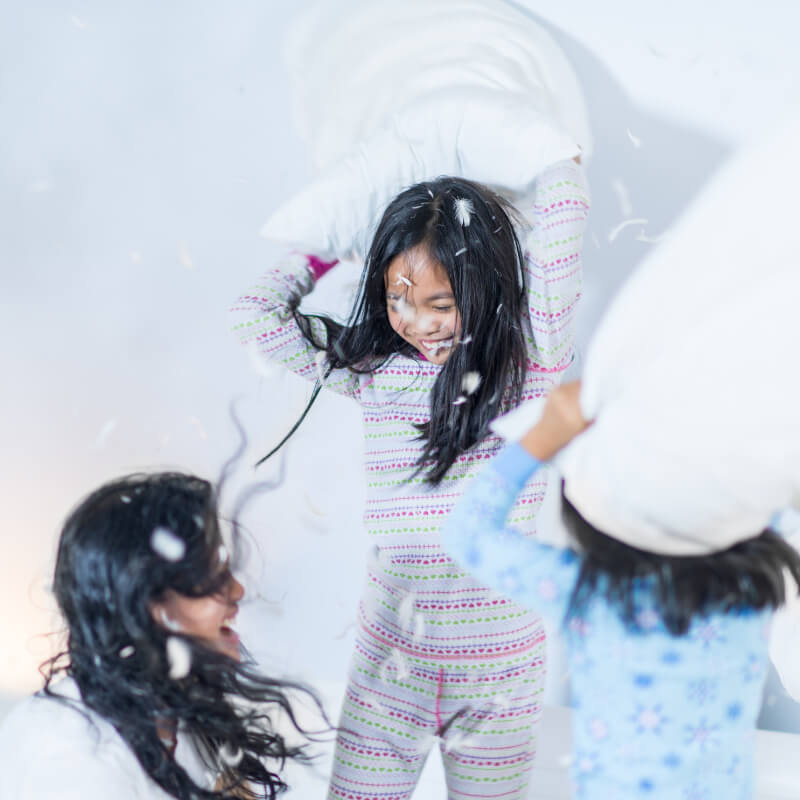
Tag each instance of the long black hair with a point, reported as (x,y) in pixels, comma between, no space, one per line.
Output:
(107,575)
(748,575)
(483,262)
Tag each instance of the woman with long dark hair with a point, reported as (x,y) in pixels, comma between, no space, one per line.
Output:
(666,634)
(455,322)
(152,696)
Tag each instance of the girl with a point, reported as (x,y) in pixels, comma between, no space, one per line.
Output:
(454,322)
(156,701)
(667,654)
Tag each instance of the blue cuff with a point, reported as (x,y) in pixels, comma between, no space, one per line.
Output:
(516,465)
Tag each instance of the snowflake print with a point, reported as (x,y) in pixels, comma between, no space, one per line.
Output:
(508,580)
(702,736)
(580,626)
(696,792)
(708,633)
(598,728)
(587,763)
(647,619)
(702,691)
(548,590)
(753,670)
(648,720)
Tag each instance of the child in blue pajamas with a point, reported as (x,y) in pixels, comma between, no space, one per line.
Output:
(667,655)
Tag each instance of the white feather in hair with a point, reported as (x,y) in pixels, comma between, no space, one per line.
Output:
(464,210)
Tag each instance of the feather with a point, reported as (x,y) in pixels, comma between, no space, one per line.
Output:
(166,544)
(470,382)
(464,210)
(180,658)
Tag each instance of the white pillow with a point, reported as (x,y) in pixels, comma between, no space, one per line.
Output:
(388,94)
(692,374)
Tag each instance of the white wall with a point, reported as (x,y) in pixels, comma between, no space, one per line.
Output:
(142,147)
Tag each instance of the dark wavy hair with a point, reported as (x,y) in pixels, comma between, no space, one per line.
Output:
(483,262)
(749,575)
(106,577)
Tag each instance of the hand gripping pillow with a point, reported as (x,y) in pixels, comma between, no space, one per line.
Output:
(692,374)
(387,94)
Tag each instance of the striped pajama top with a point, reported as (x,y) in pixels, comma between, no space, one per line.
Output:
(418,601)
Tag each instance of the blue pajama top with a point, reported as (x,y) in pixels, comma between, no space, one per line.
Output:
(655,715)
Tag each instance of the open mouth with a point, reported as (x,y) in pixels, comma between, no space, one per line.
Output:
(227,632)
(434,346)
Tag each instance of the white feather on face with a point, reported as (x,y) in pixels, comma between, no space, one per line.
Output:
(180,658)
(464,210)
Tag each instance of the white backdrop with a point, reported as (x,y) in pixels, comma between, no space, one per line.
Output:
(142,148)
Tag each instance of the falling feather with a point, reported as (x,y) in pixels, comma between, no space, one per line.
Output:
(395,663)
(461,251)
(635,140)
(623,198)
(405,611)
(180,658)
(425,743)
(614,232)
(464,210)
(419,627)
(470,382)
(459,401)
(373,702)
(643,237)
(405,310)
(230,756)
(166,544)
(457,740)
(105,432)
(127,651)
(403,279)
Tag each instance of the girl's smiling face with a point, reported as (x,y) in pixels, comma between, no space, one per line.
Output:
(420,304)
(209,618)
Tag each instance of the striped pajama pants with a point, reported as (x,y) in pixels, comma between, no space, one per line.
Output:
(480,712)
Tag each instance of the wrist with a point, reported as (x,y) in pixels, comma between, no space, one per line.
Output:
(539,445)
(319,267)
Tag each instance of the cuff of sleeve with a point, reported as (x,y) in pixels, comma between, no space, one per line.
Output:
(319,267)
(516,465)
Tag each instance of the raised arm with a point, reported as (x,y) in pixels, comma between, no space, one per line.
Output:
(475,536)
(263,321)
(557,212)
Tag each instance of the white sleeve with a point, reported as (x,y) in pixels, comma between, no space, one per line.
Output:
(48,751)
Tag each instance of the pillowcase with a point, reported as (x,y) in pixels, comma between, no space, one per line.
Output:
(691,376)
(387,94)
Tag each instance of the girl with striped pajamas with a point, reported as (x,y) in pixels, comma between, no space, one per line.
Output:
(455,322)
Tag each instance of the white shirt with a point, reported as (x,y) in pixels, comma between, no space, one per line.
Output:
(49,750)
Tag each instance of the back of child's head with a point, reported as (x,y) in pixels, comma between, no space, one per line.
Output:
(466,229)
(749,575)
(121,549)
